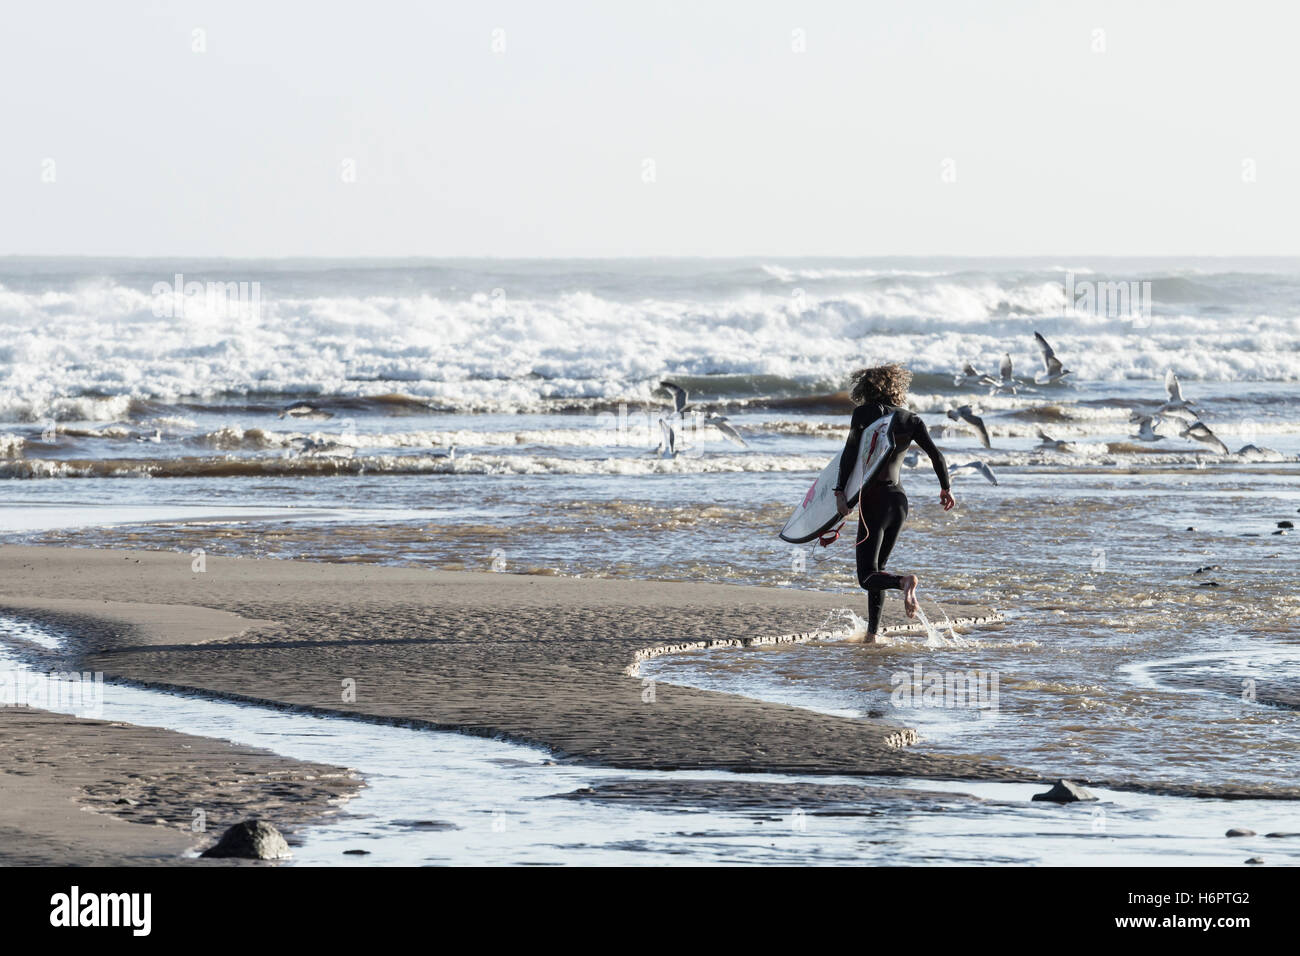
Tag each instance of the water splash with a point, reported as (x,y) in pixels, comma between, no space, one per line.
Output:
(933,637)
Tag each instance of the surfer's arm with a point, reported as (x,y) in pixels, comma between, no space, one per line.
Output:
(921,435)
(856,426)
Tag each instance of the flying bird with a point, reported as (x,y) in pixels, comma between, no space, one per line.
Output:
(1053,370)
(680,397)
(325,449)
(306,411)
(970,375)
(1146,427)
(667,442)
(1199,431)
(722,424)
(1004,384)
(967,414)
(977,465)
(1047,441)
(1174,400)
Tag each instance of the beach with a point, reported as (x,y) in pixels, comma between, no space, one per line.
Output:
(435,548)
(533,659)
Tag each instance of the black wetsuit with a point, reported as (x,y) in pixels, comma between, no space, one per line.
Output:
(884,504)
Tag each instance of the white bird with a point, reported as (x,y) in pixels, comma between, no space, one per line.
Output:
(1199,431)
(1146,427)
(1174,400)
(970,375)
(306,411)
(722,424)
(156,437)
(680,397)
(325,449)
(967,414)
(667,442)
(1053,370)
(977,465)
(1255,451)
(1047,441)
(1004,384)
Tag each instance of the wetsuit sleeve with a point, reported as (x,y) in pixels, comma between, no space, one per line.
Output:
(921,435)
(856,426)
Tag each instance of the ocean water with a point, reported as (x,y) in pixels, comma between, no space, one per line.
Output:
(504,415)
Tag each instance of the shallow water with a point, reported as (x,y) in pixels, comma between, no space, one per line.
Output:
(445,798)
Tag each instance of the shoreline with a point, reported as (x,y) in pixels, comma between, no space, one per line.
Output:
(543,661)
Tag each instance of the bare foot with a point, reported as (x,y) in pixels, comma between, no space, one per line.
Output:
(910,581)
(860,639)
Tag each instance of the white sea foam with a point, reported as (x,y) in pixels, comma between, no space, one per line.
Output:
(102,339)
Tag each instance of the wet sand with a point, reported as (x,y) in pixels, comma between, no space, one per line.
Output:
(94,793)
(537,660)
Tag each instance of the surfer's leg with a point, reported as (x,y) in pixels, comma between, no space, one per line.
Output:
(896,516)
(875,510)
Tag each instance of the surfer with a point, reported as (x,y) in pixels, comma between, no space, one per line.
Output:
(878,392)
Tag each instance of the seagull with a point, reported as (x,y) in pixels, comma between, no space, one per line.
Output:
(327,449)
(970,375)
(1146,427)
(1053,371)
(1174,395)
(1047,441)
(722,424)
(668,442)
(304,410)
(1199,431)
(976,465)
(1006,383)
(1254,451)
(156,437)
(967,414)
(680,396)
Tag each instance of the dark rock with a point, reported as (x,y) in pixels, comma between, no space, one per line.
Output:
(1191,527)
(1285,524)
(250,840)
(1280,531)
(1208,567)
(1256,860)
(1208,584)
(356,852)
(1065,792)
(1240,831)
(1281,833)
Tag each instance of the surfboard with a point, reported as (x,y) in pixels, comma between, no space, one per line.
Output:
(816,513)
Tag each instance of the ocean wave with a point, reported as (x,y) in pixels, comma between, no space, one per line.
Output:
(305,465)
(90,352)
(1100,456)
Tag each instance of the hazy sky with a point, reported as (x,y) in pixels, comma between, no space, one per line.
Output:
(541,148)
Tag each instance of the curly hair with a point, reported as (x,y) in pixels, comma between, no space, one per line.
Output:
(886,384)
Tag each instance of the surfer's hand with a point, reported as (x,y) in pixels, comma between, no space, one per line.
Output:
(842,504)
(945,499)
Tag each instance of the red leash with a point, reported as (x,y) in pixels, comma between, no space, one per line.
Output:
(830,537)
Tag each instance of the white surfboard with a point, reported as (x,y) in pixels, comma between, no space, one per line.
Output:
(817,513)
